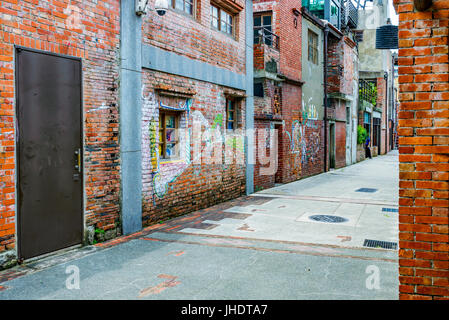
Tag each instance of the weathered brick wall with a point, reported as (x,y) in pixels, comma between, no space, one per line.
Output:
(300,149)
(424,151)
(289,30)
(193,36)
(380,103)
(89,30)
(172,188)
(335,68)
(262,180)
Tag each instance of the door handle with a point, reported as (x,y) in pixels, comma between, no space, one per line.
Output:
(78,160)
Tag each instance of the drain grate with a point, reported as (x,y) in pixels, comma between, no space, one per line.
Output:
(367,190)
(327,218)
(389,210)
(380,244)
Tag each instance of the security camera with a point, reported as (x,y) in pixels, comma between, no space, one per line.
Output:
(161,7)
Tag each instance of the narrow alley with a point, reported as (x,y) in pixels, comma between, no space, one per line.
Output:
(264,246)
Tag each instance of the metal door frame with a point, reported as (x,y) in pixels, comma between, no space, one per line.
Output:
(17,49)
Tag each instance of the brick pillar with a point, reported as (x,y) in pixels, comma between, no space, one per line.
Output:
(424,151)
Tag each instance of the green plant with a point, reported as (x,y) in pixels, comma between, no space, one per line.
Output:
(99,230)
(362,135)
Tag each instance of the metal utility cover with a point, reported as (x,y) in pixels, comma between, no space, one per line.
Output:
(380,244)
(328,218)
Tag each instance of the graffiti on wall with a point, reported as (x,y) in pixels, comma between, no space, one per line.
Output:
(199,141)
(304,137)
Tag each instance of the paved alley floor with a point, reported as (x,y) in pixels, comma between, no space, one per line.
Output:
(265,246)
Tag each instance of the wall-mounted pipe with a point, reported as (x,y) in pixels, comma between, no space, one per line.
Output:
(326,36)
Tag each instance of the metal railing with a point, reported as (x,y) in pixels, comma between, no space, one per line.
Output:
(353,17)
(368,91)
(349,14)
(263,35)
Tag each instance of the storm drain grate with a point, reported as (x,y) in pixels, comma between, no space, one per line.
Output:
(368,190)
(389,210)
(327,218)
(380,244)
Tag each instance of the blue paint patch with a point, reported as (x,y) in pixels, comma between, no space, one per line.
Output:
(367,190)
(390,210)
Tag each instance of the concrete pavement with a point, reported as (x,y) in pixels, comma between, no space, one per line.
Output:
(260,247)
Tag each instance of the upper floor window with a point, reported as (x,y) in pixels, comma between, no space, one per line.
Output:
(313,47)
(184,5)
(263,28)
(222,20)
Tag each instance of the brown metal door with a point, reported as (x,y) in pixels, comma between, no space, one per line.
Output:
(48,152)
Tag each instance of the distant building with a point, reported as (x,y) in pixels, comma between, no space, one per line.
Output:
(376,109)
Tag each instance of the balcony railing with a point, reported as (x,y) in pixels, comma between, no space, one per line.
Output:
(368,91)
(263,35)
(353,17)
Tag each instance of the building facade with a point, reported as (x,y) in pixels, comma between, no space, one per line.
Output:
(278,110)
(111,120)
(377,80)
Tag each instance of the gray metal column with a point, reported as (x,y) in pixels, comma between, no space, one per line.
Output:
(130,117)
(249,36)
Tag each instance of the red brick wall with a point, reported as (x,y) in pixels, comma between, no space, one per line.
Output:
(194,37)
(297,134)
(424,151)
(381,91)
(290,38)
(173,188)
(89,30)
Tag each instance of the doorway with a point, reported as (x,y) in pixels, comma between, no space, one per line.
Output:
(332,145)
(49,152)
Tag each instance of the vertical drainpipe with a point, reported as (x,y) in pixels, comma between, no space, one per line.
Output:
(386,112)
(326,35)
(130,109)
(249,111)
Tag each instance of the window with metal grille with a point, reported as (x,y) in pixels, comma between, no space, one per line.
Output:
(263,29)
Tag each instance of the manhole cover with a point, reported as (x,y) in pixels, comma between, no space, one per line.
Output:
(367,190)
(380,244)
(328,219)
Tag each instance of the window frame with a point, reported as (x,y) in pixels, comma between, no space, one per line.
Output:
(219,10)
(163,144)
(312,45)
(234,111)
(193,2)
(268,37)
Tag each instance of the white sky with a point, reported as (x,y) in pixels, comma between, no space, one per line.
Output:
(394,17)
